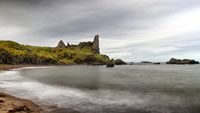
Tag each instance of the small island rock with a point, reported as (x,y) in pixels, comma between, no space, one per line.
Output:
(110,63)
(180,61)
(120,62)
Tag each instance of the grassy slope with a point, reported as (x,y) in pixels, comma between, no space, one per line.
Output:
(14,53)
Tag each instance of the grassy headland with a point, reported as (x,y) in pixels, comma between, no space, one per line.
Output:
(15,53)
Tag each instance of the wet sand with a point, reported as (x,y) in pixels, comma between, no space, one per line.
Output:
(9,67)
(11,104)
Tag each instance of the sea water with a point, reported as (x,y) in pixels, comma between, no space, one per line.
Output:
(97,89)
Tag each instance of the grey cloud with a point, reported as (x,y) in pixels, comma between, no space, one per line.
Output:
(125,20)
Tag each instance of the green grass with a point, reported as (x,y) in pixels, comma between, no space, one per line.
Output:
(14,53)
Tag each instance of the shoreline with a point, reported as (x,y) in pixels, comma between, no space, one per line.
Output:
(5,67)
(12,104)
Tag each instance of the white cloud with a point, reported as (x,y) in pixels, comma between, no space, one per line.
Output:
(169,36)
(177,24)
(10,31)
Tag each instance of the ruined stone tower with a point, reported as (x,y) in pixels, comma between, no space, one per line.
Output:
(61,44)
(95,45)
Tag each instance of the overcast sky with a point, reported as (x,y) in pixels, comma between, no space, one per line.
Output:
(134,30)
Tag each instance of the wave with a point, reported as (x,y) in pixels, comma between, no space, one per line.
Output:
(85,101)
(10,75)
(66,97)
(38,67)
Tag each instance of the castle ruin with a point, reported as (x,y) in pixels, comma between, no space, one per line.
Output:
(61,44)
(94,45)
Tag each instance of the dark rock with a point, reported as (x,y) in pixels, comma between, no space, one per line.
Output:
(29,58)
(180,61)
(61,44)
(146,62)
(157,63)
(95,45)
(90,59)
(2,95)
(20,109)
(110,63)
(6,57)
(131,63)
(120,62)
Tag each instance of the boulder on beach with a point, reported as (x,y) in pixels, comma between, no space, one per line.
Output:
(119,62)
(182,61)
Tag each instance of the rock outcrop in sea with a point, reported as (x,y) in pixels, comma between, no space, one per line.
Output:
(119,62)
(182,61)
(110,63)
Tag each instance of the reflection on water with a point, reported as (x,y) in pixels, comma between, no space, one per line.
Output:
(123,89)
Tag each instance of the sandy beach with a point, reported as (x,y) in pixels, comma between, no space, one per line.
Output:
(11,104)
(6,67)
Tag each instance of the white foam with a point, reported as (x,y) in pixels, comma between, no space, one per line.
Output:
(10,75)
(65,96)
(38,67)
(17,85)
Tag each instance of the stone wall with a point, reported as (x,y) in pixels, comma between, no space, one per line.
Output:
(95,45)
(61,44)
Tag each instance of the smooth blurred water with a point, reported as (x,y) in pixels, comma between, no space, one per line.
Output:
(97,89)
